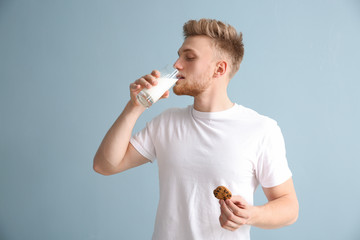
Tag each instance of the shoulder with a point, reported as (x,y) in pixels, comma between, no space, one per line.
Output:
(256,119)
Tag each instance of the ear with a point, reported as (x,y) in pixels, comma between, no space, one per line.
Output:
(221,69)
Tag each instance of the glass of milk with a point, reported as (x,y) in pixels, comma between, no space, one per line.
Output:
(148,96)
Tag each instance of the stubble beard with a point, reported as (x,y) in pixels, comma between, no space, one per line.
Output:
(191,88)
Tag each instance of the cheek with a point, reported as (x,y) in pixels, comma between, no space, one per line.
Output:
(190,67)
(206,71)
(198,68)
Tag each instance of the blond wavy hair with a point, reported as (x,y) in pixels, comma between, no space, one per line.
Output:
(225,38)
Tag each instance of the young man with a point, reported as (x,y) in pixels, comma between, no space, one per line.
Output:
(211,143)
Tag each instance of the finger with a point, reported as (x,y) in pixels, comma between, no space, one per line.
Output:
(224,208)
(228,214)
(233,213)
(155,73)
(143,82)
(227,219)
(239,201)
(166,94)
(236,210)
(151,79)
(226,224)
(134,86)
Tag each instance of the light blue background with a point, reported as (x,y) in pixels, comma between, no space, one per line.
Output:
(65,68)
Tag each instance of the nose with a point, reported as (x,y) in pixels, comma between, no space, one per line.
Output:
(178,64)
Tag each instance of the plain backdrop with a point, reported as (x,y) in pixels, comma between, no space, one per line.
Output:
(65,70)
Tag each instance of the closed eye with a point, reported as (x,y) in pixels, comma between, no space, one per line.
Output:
(190,58)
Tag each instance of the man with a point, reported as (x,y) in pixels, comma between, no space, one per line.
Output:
(213,142)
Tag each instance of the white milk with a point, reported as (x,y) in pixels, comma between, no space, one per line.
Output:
(149,96)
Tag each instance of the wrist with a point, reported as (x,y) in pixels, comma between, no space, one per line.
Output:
(256,215)
(134,106)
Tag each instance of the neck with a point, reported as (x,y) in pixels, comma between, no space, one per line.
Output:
(213,99)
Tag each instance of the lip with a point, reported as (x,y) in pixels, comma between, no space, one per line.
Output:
(180,76)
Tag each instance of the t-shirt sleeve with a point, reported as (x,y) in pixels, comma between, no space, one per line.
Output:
(272,167)
(143,142)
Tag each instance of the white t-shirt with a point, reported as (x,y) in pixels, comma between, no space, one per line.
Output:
(198,151)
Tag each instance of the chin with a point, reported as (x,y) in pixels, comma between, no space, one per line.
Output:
(184,88)
(187,92)
(180,93)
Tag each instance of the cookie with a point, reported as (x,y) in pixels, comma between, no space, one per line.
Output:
(222,192)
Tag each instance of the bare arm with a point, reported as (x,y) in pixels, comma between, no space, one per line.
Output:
(115,153)
(281,210)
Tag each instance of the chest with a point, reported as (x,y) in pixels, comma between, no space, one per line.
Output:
(208,150)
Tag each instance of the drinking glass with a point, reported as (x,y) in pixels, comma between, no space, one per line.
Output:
(148,96)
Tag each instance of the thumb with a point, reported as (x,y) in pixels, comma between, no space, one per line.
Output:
(239,201)
(166,94)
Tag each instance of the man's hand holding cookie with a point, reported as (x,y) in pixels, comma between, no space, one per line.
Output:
(235,211)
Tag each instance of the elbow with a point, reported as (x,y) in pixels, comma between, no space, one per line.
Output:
(293,220)
(98,168)
(101,171)
(295,214)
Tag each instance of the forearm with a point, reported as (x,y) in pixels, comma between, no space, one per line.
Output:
(276,213)
(115,143)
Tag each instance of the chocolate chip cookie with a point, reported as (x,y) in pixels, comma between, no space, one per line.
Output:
(222,192)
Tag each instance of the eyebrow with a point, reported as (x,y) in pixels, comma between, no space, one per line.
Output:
(186,50)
